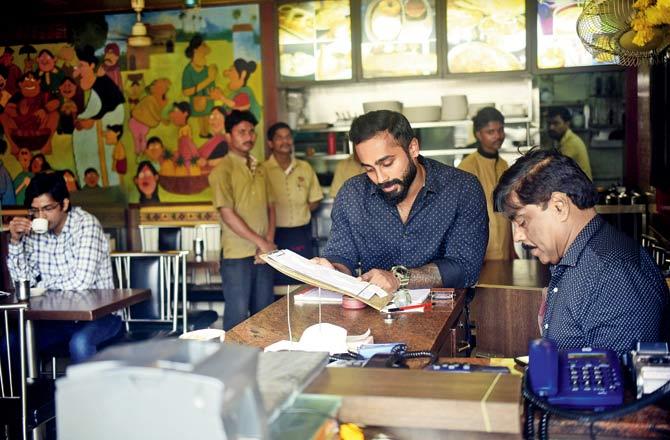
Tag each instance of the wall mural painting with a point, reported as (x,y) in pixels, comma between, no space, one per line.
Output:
(149,120)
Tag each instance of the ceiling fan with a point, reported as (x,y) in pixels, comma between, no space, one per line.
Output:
(139,37)
(605,29)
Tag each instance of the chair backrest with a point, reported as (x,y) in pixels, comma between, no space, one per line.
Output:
(162,272)
(169,239)
(12,359)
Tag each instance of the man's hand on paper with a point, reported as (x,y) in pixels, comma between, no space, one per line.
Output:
(382,278)
(264,247)
(322,262)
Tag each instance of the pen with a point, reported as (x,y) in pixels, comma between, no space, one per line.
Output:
(425,306)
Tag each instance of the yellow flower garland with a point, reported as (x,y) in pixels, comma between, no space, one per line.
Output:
(650,15)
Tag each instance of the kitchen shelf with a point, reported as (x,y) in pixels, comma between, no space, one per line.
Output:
(322,156)
(431,124)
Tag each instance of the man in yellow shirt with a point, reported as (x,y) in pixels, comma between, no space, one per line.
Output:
(296,191)
(569,143)
(488,166)
(344,170)
(242,196)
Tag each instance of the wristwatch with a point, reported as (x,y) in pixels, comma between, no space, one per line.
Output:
(402,274)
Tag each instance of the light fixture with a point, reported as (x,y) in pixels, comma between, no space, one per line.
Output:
(191,4)
(138,34)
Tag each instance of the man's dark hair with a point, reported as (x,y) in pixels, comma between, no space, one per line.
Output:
(277,126)
(183,106)
(196,42)
(154,139)
(486,115)
(241,65)
(539,173)
(146,163)
(87,54)
(237,116)
(116,128)
(91,170)
(47,183)
(368,125)
(563,112)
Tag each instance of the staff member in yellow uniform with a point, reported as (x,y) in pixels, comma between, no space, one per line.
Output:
(242,196)
(569,144)
(487,165)
(344,170)
(296,191)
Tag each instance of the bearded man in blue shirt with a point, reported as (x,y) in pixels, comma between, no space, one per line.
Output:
(408,219)
(605,291)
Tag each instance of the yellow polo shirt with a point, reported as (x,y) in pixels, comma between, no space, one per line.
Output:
(344,170)
(488,172)
(246,191)
(572,146)
(293,190)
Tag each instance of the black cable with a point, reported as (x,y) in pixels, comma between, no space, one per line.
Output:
(544,426)
(399,354)
(529,426)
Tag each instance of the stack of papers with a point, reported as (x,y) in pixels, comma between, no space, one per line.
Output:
(296,266)
(313,296)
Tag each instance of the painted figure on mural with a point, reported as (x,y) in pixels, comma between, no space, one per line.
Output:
(110,64)
(7,195)
(212,151)
(31,116)
(146,180)
(50,75)
(71,102)
(134,89)
(198,80)
(155,150)
(239,96)
(4,94)
(29,63)
(13,71)
(71,181)
(187,152)
(113,137)
(39,164)
(147,114)
(66,54)
(104,107)
(91,179)
(22,179)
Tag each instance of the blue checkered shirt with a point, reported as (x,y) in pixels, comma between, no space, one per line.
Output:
(75,259)
(606,292)
(448,226)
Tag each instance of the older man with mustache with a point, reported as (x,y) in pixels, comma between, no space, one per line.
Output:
(409,221)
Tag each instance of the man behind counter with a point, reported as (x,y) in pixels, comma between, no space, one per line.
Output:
(604,290)
(569,143)
(408,216)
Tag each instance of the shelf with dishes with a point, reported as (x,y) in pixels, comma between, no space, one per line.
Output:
(327,128)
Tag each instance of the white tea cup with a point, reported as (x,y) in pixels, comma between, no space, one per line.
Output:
(40,225)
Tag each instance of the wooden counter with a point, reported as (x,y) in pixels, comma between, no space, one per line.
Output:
(437,330)
(504,309)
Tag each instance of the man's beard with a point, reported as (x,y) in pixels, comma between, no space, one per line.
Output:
(398,196)
(554,135)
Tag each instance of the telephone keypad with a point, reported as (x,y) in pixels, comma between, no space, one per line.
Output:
(589,377)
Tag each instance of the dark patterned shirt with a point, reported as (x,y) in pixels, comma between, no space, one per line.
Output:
(606,292)
(448,226)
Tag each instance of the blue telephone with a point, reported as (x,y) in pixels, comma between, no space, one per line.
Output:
(583,378)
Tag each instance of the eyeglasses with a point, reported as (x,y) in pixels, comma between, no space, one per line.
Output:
(45,209)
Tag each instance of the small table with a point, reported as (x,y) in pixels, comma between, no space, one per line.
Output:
(431,330)
(74,305)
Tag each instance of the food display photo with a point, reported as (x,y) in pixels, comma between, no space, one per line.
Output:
(314,41)
(486,35)
(398,38)
(558,45)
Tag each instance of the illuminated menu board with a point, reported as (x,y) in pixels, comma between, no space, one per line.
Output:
(558,45)
(398,38)
(486,35)
(314,41)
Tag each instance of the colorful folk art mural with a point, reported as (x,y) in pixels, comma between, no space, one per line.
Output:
(149,119)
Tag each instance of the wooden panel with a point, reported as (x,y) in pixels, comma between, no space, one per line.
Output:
(424,399)
(526,274)
(506,319)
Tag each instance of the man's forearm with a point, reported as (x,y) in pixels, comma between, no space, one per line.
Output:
(239,226)
(425,277)
(341,268)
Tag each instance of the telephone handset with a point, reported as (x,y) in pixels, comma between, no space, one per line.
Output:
(582,378)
